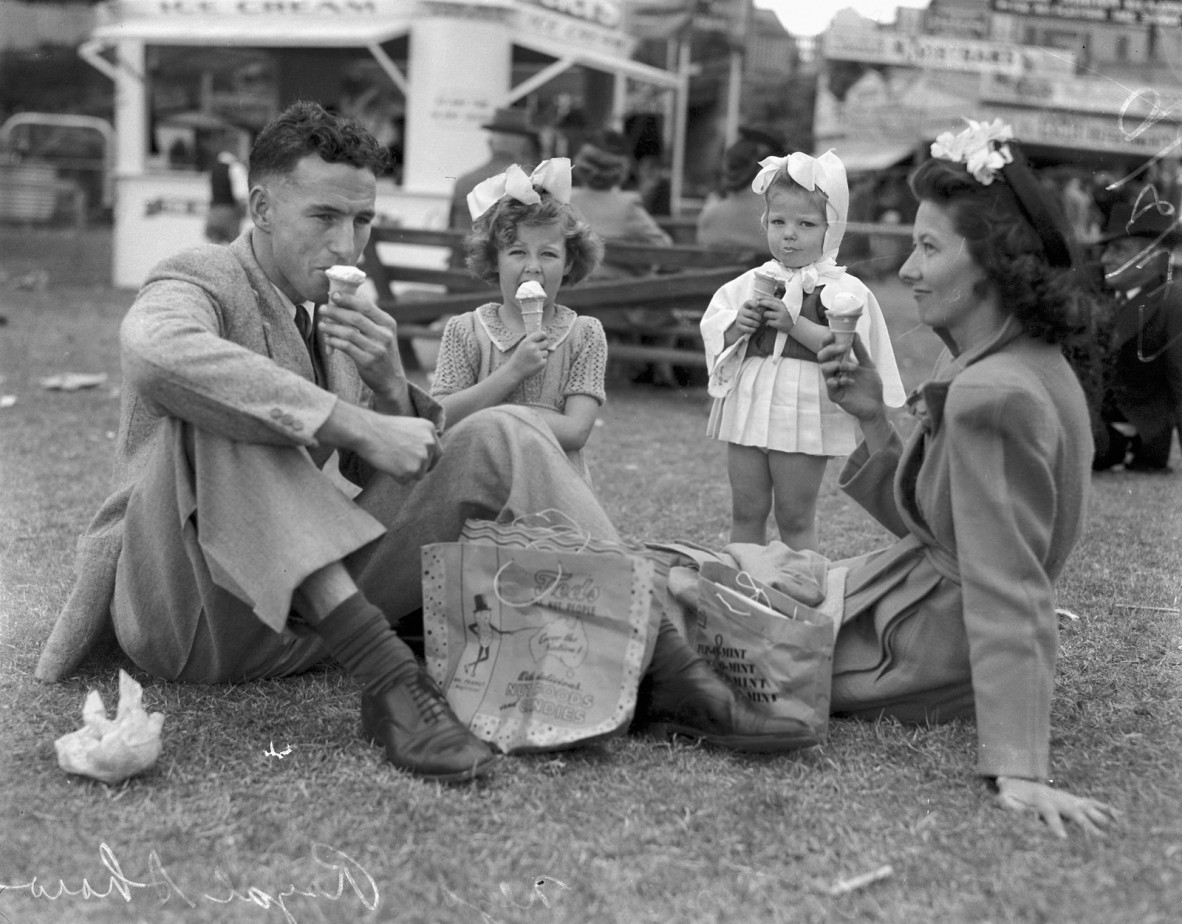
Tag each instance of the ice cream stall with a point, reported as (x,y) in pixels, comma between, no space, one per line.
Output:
(196,77)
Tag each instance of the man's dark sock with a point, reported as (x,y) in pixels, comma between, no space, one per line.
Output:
(358,635)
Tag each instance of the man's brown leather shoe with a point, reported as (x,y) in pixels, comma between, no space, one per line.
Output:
(698,703)
(421,734)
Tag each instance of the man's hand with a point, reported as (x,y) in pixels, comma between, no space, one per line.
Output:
(406,448)
(367,335)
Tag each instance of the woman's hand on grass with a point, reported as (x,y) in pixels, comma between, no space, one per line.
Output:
(1054,806)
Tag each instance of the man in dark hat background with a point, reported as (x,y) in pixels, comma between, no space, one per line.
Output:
(512,139)
(1142,404)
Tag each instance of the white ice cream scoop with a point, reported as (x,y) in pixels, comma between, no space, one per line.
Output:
(344,279)
(532,299)
(845,303)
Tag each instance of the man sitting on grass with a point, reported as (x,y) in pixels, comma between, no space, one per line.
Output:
(225,552)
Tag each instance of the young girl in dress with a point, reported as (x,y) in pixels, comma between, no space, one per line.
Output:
(770,404)
(524,229)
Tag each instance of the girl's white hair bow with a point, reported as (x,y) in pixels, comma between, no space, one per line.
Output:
(826,173)
(552,175)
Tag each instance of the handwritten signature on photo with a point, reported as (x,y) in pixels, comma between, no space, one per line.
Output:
(348,874)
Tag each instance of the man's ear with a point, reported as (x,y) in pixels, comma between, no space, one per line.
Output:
(259,206)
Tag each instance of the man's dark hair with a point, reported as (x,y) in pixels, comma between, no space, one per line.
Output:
(308,128)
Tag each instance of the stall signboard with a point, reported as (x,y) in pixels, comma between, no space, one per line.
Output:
(1089,132)
(1166,13)
(606,13)
(936,52)
(1132,102)
(544,21)
(126,10)
(955,21)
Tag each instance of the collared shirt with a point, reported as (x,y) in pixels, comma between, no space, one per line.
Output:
(309,307)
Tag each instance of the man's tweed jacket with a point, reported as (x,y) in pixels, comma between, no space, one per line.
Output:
(219,347)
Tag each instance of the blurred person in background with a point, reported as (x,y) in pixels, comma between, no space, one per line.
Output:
(512,139)
(1142,402)
(730,219)
(602,165)
(227,201)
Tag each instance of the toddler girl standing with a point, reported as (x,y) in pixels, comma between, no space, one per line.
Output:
(771,405)
(525,230)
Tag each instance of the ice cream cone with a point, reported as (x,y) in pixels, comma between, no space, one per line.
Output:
(843,318)
(531,313)
(843,331)
(765,285)
(531,298)
(344,279)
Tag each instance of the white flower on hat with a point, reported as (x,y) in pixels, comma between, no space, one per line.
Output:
(980,147)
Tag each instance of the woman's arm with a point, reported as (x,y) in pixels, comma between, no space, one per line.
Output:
(573,425)
(1000,442)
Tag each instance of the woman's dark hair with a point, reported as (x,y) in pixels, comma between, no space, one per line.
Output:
(308,128)
(740,162)
(603,162)
(497,228)
(1046,299)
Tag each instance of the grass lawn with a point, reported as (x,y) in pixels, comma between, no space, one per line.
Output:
(628,831)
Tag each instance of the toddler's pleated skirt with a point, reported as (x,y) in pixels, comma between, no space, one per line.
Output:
(783,406)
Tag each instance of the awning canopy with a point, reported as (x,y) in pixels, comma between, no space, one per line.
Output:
(573,55)
(862,156)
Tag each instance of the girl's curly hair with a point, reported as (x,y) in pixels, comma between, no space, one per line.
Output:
(497,228)
(1048,301)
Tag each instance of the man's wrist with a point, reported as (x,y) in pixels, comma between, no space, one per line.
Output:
(394,399)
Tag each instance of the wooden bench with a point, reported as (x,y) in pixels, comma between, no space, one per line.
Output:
(675,282)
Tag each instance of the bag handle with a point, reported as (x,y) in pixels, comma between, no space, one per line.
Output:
(496,588)
(744,581)
(574,527)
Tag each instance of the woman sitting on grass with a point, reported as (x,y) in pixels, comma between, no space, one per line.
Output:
(987,496)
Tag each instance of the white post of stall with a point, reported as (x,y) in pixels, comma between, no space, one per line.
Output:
(131,133)
(460,71)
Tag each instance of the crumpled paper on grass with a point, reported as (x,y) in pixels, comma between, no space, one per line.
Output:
(112,750)
(73,381)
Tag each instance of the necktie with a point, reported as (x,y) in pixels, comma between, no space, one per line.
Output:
(304,325)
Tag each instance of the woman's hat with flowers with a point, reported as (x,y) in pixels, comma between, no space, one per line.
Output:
(989,152)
